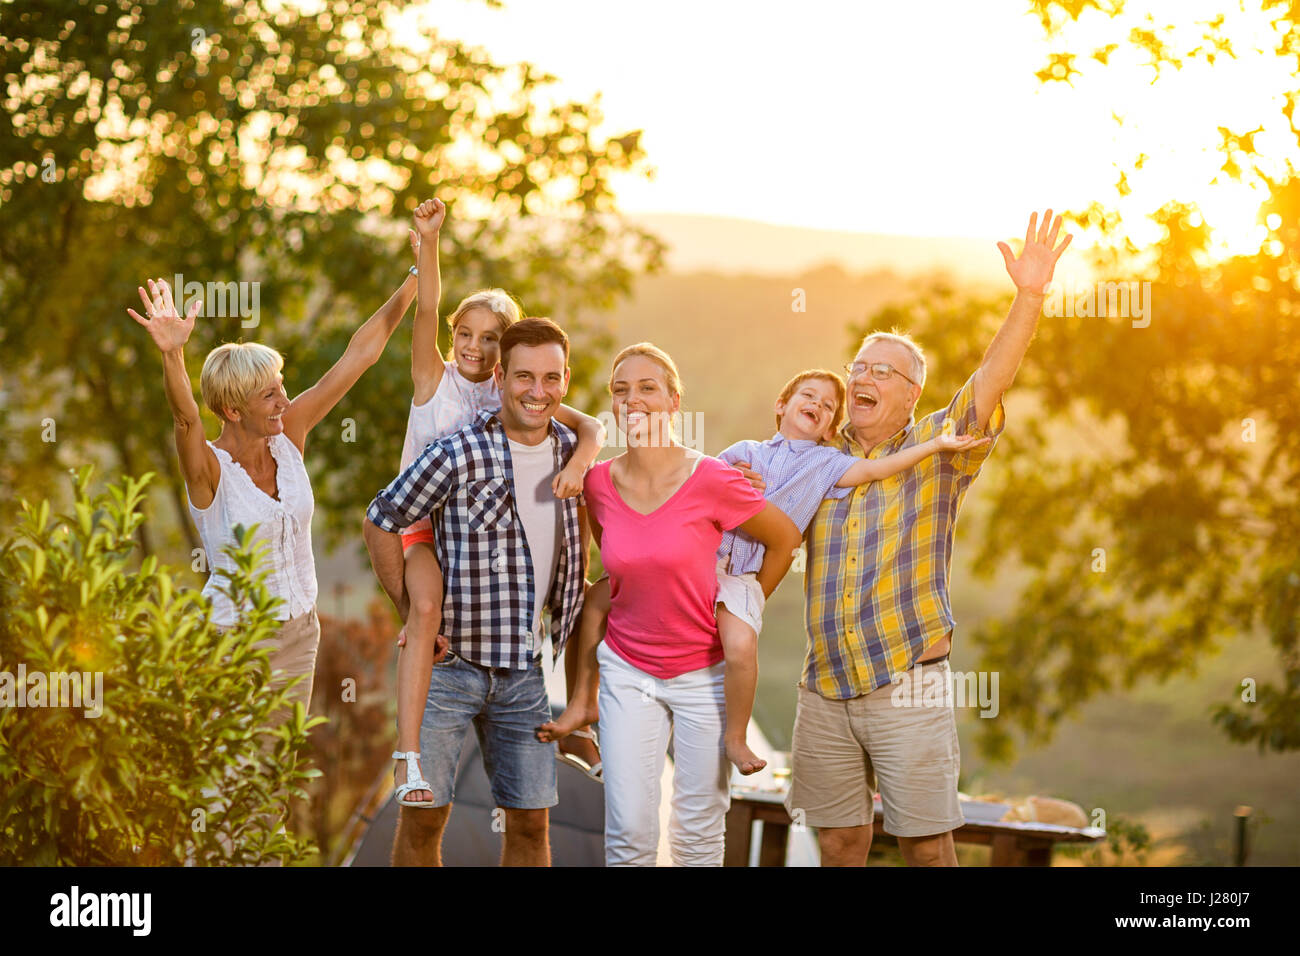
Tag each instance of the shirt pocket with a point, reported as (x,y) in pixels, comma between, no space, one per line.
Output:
(488,505)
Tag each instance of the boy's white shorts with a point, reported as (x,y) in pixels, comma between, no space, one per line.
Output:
(742,595)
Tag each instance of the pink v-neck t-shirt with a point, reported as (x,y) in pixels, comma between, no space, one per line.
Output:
(663,566)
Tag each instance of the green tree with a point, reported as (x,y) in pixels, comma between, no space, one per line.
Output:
(1167,446)
(169,758)
(232,141)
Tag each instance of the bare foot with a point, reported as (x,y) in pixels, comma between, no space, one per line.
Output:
(745,759)
(576,716)
(399,778)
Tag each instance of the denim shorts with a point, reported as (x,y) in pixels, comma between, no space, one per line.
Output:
(506,707)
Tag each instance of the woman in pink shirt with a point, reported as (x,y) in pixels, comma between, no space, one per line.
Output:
(658,512)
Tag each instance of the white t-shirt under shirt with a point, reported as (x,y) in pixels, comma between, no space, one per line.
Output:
(539,510)
(456,402)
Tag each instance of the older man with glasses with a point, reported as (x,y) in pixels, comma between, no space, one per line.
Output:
(877,593)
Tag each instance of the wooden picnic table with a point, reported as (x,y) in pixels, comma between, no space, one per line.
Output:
(1013,844)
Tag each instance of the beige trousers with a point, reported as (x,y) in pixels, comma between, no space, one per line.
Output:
(293,653)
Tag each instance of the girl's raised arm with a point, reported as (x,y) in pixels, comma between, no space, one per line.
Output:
(426,364)
(364,348)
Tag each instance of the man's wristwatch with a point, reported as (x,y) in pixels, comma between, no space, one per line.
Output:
(413,271)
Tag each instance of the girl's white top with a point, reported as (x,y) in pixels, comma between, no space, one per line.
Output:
(284,525)
(454,405)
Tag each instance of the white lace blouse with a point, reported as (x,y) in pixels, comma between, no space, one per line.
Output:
(285,525)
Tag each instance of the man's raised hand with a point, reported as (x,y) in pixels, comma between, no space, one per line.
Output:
(166,327)
(429,216)
(1032,270)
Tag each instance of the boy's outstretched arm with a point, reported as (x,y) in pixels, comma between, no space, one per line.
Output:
(364,348)
(874,469)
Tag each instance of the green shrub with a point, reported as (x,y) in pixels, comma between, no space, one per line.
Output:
(181,765)
(1127,843)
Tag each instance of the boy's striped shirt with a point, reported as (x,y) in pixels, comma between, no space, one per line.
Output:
(797,474)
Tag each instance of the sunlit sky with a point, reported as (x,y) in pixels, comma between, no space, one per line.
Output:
(920,118)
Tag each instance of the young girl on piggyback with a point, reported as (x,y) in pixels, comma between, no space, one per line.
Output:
(449,393)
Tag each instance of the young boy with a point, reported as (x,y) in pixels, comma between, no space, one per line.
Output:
(799,472)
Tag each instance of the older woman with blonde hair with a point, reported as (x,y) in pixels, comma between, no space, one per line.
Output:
(253,474)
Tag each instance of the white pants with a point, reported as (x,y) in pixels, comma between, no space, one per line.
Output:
(638,712)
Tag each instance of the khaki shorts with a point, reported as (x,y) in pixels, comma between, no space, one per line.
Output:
(843,748)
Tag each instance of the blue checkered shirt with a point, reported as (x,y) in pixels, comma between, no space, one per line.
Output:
(798,474)
(487,605)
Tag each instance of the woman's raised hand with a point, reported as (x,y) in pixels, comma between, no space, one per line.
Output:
(167,328)
(429,216)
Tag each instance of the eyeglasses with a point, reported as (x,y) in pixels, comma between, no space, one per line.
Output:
(880,371)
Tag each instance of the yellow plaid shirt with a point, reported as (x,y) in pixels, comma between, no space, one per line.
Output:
(878,559)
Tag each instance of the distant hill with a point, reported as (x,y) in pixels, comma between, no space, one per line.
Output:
(736,339)
(718,244)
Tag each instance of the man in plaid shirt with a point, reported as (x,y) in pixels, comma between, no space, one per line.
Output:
(877,602)
(497,525)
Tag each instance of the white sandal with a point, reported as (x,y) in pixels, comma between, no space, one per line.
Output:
(594,771)
(413,781)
